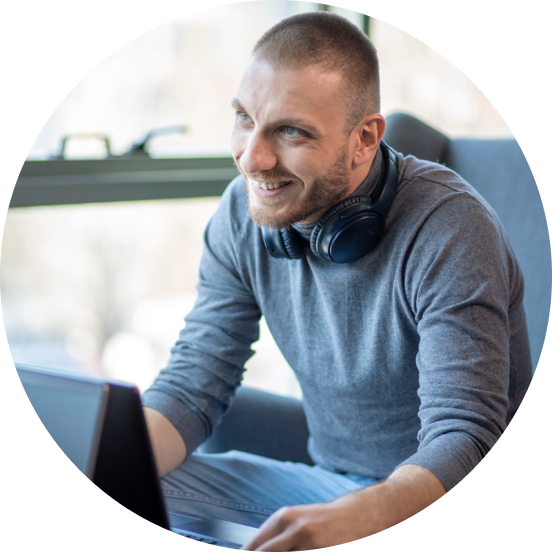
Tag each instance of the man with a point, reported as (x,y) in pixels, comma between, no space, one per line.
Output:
(411,358)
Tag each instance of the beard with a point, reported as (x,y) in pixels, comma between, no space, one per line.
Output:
(325,192)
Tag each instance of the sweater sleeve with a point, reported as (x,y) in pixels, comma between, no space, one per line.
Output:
(206,363)
(462,284)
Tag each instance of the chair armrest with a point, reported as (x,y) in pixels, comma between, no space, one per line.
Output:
(264,424)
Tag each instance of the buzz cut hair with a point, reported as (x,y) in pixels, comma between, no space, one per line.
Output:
(336,45)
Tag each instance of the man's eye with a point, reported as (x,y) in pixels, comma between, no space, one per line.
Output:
(244,118)
(292,131)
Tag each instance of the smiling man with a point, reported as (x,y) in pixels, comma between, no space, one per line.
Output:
(387,282)
(286,146)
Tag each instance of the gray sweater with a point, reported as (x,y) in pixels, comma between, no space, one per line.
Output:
(417,353)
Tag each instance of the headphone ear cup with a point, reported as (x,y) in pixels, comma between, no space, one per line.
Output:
(282,244)
(321,228)
(292,244)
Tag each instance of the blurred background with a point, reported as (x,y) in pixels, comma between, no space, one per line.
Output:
(102,288)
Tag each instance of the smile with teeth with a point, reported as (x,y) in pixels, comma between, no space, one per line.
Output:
(270,185)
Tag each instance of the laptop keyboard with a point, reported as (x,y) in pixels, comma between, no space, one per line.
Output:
(200,539)
(207,540)
(209,530)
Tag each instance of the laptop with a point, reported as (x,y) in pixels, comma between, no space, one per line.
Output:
(99,424)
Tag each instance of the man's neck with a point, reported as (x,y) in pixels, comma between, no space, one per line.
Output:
(368,185)
(365,188)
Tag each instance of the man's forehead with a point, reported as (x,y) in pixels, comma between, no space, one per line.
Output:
(259,68)
(290,89)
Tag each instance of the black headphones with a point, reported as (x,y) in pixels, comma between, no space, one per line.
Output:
(350,229)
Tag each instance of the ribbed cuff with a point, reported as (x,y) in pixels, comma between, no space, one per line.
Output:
(443,463)
(190,426)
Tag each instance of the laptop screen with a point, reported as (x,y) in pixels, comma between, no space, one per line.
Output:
(71,410)
(100,426)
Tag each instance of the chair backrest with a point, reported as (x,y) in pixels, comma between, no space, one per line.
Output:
(498,170)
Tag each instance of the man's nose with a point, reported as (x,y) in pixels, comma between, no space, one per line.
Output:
(258,155)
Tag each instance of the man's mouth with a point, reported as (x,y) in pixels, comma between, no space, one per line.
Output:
(270,185)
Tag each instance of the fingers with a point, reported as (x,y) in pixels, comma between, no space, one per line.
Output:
(287,529)
(269,529)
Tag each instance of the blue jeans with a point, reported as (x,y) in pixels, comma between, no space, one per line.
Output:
(245,488)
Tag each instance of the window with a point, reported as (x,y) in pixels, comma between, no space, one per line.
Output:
(103,288)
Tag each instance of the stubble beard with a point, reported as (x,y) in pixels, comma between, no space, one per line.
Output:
(325,192)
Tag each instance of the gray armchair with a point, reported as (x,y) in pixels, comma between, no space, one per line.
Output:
(275,426)
(264,424)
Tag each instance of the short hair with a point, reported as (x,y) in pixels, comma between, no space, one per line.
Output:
(334,43)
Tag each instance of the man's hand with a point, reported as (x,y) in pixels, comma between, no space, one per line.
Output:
(308,527)
(407,491)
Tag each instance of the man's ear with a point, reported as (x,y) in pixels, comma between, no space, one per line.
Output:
(367,135)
